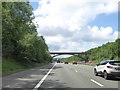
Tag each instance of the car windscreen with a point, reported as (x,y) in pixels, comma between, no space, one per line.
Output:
(115,63)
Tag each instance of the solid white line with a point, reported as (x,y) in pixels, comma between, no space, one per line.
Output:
(76,71)
(96,82)
(42,80)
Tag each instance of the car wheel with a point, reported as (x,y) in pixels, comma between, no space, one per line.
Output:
(105,75)
(95,72)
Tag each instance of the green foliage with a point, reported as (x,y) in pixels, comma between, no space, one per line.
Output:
(71,59)
(19,35)
(110,51)
(16,22)
(10,66)
(106,51)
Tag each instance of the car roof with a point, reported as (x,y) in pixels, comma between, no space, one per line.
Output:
(110,60)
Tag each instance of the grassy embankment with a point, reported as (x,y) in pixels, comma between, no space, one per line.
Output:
(10,66)
(0,67)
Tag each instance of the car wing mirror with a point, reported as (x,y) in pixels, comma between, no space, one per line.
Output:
(98,64)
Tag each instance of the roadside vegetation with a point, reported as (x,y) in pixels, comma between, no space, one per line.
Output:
(22,47)
(110,51)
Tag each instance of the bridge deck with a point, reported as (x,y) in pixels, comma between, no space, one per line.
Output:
(66,52)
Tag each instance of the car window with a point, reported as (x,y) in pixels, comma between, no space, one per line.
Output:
(115,63)
(103,62)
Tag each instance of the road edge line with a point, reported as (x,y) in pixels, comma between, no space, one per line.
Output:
(42,80)
(76,71)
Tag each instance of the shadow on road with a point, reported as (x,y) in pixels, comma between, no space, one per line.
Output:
(111,78)
(27,78)
(115,79)
(57,67)
(54,84)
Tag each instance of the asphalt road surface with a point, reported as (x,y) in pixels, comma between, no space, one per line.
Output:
(58,75)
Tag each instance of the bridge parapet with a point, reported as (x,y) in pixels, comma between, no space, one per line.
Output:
(66,53)
(70,53)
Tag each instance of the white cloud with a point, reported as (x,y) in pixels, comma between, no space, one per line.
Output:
(108,8)
(64,24)
(102,33)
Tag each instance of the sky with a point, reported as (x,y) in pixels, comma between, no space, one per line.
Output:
(76,25)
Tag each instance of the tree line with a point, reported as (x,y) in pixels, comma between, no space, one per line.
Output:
(20,39)
(108,51)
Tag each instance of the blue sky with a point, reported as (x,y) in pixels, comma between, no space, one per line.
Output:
(106,20)
(34,5)
(71,25)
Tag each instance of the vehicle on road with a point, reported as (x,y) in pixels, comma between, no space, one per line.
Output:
(74,62)
(58,61)
(90,62)
(66,62)
(108,68)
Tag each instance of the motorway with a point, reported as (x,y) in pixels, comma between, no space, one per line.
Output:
(58,75)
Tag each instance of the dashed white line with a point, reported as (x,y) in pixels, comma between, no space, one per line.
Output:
(96,83)
(76,71)
(42,80)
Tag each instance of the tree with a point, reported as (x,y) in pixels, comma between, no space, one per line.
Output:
(17,22)
(20,37)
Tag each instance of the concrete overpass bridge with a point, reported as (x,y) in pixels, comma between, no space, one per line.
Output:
(55,54)
(65,53)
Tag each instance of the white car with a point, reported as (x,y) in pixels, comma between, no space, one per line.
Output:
(108,68)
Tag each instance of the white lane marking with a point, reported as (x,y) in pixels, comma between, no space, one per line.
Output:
(96,83)
(76,71)
(42,80)
(7,86)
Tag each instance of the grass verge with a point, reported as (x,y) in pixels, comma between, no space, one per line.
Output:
(10,66)
(0,68)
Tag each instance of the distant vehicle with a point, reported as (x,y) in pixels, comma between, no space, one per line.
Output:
(79,62)
(108,68)
(66,62)
(58,61)
(74,62)
(90,62)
